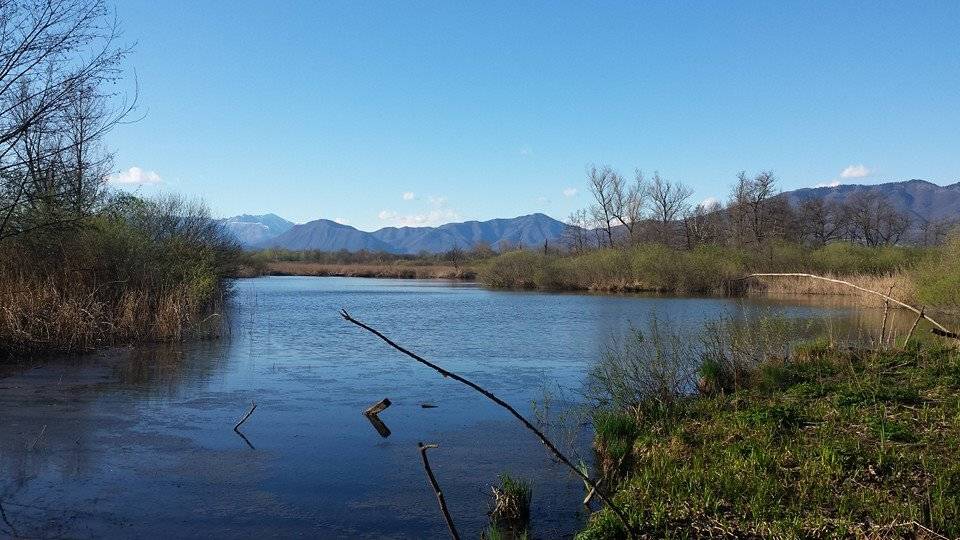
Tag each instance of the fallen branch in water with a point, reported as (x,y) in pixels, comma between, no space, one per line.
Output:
(253,407)
(436,489)
(621,515)
(944,331)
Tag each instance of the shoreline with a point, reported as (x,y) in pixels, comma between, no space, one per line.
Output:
(758,287)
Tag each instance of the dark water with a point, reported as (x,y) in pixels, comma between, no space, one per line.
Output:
(139,442)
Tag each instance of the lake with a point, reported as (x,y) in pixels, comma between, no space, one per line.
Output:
(139,442)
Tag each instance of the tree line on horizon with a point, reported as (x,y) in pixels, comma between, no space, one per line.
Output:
(627,212)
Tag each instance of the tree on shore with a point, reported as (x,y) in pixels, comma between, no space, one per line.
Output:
(57,58)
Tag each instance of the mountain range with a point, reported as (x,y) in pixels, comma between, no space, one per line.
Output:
(918,198)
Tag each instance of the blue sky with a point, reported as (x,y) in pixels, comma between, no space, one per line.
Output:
(383,114)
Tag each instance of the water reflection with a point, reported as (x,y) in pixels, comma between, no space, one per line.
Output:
(140,441)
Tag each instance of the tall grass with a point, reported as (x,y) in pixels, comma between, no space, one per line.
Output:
(141,271)
(705,269)
(510,508)
(937,277)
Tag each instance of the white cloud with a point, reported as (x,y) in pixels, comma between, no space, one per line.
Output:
(569,192)
(408,195)
(855,171)
(426,219)
(438,214)
(135,176)
(342,221)
(709,202)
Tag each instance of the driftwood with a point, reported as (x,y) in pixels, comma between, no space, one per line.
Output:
(942,329)
(436,489)
(377,407)
(621,515)
(371,414)
(253,407)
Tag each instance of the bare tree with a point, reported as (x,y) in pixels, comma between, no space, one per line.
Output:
(56,57)
(874,221)
(822,221)
(668,202)
(703,224)
(577,231)
(602,188)
(629,202)
(934,232)
(756,214)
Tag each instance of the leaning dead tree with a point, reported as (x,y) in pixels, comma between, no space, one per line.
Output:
(939,329)
(621,515)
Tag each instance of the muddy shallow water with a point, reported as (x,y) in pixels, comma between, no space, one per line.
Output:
(138,442)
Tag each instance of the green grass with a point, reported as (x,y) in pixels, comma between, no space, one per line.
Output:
(510,508)
(830,443)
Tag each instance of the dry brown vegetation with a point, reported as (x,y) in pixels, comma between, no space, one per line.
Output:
(899,285)
(387,270)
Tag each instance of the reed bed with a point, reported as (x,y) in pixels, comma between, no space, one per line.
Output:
(388,270)
(899,285)
(149,271)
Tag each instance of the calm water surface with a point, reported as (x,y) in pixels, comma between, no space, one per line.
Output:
(139,442)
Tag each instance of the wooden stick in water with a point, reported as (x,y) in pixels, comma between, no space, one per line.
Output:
(436,489)
(621,515)
(253,407)
(915,323)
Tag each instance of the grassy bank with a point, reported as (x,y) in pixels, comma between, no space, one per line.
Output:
(137,270)
(927,276)
(705,269)
(825,442)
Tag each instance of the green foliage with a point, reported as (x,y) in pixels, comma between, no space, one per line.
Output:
(828,443)
(510,509)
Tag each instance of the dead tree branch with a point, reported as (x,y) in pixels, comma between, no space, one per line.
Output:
(621,515)
(436,489)
(915,323)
